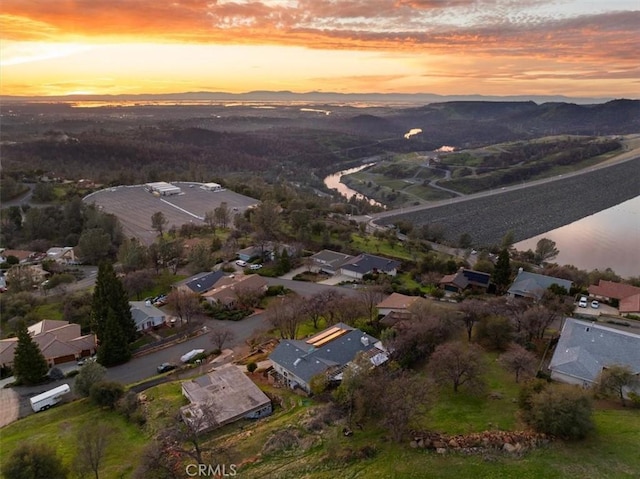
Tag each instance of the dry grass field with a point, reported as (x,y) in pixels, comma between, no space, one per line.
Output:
(133,206)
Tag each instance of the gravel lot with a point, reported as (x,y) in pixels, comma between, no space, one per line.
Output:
(532,210)
(134,206)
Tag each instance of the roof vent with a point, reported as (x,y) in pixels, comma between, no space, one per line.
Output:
(297,361)
(147,303)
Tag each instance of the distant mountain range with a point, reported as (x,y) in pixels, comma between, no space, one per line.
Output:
(313,96)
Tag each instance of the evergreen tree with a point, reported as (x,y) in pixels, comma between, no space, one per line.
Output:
(29,365)
(111,317)
(502,271)
(114,347)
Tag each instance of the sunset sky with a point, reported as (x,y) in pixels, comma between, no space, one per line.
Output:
(587,48)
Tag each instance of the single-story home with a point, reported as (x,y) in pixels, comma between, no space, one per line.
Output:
(533,285)
(63,255)
(328,352)
(630,305)
(465,279)
(222,396)
(59,342)
(585,348)
(247,254)
(145,315)
(369,264)
(22,255)
(200,283)
(610,290)
(229,288)
(330,261)
(397,303)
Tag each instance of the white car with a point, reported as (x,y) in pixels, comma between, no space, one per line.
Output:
(242,264)
(583,302)
(255,267)
(595,304)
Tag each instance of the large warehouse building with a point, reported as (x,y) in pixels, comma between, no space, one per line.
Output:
(162,188)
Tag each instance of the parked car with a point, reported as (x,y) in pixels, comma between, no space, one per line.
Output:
(83,361)
(595,304)
(242,264)
(164,367)
(583,302)
(255,267)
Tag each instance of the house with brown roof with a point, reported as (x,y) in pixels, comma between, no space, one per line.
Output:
(228,289)
(59,342)
(397,303)
(22,255)
(630,305)
(465,279)
(609,290)
(26,276)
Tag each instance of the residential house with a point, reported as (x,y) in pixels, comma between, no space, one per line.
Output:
(533,285)
(585,348)
(145,315)
(200,283)
(397,303)
(59,342)
(630,305)
(229,289)
(329,261)
(247,254)
(62,255)
(329,352)
(465,279)
(609,290)
(364,264)
(222,396)
(22,255)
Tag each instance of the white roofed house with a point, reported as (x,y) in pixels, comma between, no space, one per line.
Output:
(63,255)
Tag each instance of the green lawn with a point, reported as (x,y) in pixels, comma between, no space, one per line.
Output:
(58,427)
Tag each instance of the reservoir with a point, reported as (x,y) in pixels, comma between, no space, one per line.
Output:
(607,239)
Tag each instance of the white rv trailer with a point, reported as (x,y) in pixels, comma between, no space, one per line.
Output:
(49,398)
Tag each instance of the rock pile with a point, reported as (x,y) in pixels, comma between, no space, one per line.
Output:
(512,442)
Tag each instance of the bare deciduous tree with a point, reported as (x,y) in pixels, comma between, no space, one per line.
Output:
(287,315)
(458,364)
(220,336)
(370,297)
(185,304)
(93,440)
(615,379)
(519,361)
(318,305)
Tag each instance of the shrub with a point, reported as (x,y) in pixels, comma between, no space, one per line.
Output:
(251,367)
(90,374)
(33,461)
(55,374)
(561,411)
(107,393)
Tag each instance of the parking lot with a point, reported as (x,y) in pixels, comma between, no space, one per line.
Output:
(134,206)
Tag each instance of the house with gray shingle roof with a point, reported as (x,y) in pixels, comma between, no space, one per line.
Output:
(145,315)
(585,348)
(533,285)
(367,264)
(330,261)
(328,352)
(200,283)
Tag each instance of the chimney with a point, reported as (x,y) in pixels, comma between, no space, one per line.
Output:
(364,340)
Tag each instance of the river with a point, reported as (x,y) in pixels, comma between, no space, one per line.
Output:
(607,239)
(333,183)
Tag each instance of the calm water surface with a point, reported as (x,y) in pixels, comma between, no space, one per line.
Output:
(608,239)
(333,183)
